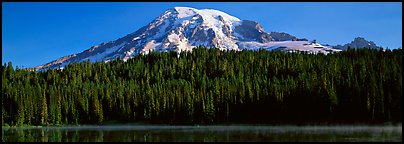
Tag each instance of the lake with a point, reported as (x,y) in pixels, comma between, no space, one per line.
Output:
(215,133)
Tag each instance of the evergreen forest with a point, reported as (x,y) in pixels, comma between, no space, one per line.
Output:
(209,86)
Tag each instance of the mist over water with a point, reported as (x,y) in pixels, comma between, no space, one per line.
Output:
(156,133)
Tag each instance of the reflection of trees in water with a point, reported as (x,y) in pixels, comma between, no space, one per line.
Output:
(204,134)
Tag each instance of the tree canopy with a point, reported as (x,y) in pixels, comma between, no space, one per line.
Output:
(209,86)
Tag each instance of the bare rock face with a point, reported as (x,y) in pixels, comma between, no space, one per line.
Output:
(252,31)
(358,43)
(264,38)
(202,36)
(226,29)
(281,36)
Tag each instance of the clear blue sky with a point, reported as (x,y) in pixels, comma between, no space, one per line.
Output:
(37,33)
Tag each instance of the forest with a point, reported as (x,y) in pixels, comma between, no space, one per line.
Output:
(209,86)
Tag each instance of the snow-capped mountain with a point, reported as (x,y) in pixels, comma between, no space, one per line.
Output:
(182,28)
(358,42)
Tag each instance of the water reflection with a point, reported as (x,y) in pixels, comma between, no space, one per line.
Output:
(150,133)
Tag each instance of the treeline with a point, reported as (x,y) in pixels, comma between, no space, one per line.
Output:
(211,86)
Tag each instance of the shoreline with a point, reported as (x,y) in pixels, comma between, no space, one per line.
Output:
(199,125)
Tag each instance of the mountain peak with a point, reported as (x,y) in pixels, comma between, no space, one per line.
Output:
(184,12)
(358,42)
(182,29)
(359,39)
(181,8)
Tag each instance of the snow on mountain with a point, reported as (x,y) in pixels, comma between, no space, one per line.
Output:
(181,29)
(290,46)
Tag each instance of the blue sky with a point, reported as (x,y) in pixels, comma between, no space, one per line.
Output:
(37,33)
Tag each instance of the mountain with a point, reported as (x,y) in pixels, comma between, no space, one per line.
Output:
(182,28)
(281,36)
(358,42)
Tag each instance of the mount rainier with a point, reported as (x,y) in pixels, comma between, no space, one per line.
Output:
(183,28)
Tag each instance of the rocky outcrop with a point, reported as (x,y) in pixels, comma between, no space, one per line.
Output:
(358,43)
(252,31)
(281,36)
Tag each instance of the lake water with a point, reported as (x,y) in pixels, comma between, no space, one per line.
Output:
(157,133)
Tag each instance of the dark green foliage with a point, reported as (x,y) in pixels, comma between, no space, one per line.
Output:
(210,86)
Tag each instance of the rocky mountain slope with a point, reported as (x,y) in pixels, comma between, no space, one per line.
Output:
(358,42)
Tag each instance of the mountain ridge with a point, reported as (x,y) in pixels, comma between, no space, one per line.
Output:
(183,28)
(358,42)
